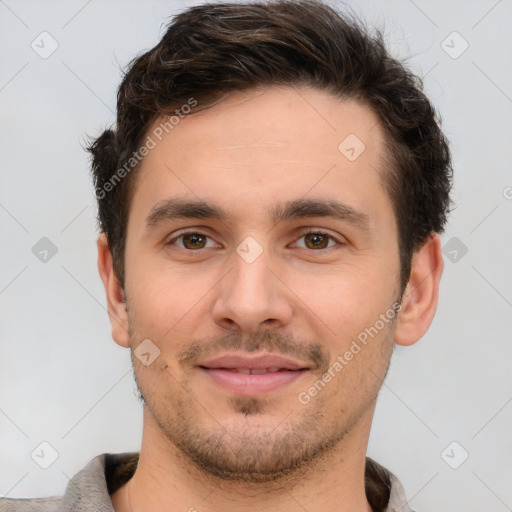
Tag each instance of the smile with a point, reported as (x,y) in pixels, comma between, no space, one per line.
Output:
(252,375)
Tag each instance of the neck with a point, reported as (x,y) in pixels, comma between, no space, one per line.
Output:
(166,480)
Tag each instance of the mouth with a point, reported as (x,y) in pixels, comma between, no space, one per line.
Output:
(253,375)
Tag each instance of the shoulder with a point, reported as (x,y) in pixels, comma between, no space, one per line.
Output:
(383,489)
(88,490)
(32,505)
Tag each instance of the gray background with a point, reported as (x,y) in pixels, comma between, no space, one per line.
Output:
(63,381)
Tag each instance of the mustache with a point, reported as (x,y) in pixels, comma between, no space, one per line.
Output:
(265,340)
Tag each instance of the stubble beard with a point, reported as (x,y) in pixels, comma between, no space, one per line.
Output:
(261,452)
(258,454)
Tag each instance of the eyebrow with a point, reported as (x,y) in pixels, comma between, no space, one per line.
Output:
(170,209)
(176,208)
(304,208)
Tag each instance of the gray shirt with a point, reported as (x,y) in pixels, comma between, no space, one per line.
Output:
(89,490)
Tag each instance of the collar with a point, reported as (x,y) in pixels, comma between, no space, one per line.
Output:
(90,489)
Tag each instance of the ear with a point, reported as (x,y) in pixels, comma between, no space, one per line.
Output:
(420,298)
(115,295)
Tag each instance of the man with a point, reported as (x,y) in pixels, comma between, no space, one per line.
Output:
(270,202)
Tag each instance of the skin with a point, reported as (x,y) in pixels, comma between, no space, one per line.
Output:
(266,452)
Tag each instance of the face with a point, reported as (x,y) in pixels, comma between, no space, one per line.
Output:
(262,264)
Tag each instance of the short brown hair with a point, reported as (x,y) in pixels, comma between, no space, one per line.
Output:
(212,49)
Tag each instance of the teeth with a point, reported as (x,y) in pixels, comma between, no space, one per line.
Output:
(246,371)
(262,370)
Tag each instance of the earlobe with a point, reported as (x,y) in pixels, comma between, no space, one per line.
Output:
(116,301)
(420,298)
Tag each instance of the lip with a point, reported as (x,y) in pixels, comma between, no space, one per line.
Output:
(233,372)
(254,362)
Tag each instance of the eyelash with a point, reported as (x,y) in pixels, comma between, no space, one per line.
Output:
(308,231)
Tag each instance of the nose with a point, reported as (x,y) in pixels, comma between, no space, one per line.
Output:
(252,297)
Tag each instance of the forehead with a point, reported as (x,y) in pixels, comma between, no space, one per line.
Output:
(267,143)
(305,120)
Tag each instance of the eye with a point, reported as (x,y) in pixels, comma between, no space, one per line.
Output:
(314,239)
(192,240)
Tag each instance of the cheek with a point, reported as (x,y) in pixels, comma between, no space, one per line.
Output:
(159,296)
(347,299)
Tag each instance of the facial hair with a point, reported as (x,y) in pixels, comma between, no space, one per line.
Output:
(255,451)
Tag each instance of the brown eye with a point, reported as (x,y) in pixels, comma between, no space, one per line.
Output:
(316,240)
(194,241)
